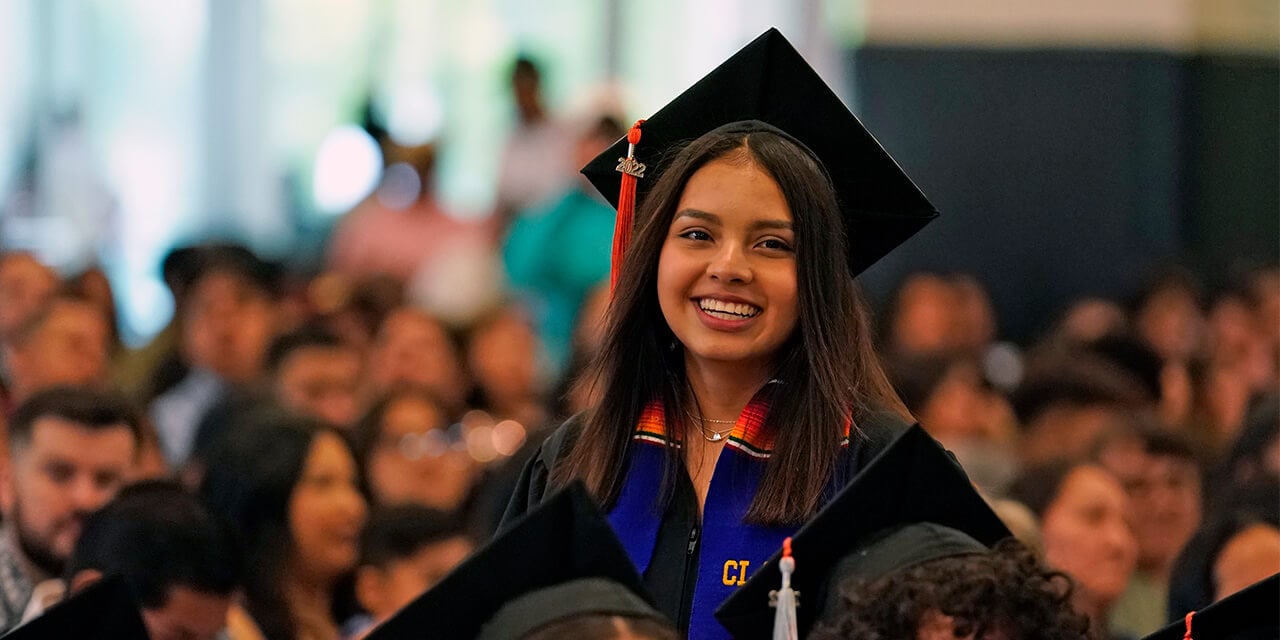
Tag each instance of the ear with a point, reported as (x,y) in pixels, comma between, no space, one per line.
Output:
(84,578)
(370,589)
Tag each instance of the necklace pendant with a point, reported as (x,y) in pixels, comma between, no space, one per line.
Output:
(716,437)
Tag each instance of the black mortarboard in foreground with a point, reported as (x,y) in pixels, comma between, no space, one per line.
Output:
(102,611)
(868,531)
(1250,614)
(769,82)
(560,560)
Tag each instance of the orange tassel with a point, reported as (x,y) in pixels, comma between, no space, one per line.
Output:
(1189,616)
(631,172)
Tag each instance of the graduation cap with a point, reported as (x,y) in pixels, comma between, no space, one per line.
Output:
(559,561)
(768,86)
(102,611)
(910,505)
(1252,613)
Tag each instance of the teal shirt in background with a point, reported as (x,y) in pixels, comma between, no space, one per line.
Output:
(555,254)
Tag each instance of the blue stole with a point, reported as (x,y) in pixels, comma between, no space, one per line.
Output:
(730,550)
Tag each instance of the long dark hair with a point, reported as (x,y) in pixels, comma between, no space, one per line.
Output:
(828,365)
(250,479)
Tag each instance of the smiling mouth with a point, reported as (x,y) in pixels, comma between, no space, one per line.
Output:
(727,310)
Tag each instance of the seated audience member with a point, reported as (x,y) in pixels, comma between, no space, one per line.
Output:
(1088,319)
(1085,530)
(180,564)
(504,359)
(315,373)
(227,321)
(290,487)
(410,453)
(560,572)
(1161,474)
(413,349)
(1069,400)
(1255,456)
(70,450)
(1238,545)
(66,341)
(404,551)
(25,285)
(921,317)
(1167,316)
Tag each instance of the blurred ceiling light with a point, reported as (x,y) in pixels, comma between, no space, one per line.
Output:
(347,168)
(414,115)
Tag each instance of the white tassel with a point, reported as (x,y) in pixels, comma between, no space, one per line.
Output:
(786,599)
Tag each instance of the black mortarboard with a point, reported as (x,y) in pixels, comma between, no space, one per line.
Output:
(863,532)
(1250,614)
(560,560)
(103,610)
(768,81)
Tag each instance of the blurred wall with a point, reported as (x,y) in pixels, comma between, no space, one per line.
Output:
(1074,150)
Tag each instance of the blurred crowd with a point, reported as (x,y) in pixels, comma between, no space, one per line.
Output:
(300,453)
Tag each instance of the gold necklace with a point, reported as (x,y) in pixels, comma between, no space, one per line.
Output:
(715,435)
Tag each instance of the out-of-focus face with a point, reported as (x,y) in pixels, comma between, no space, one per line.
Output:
(322,382)
(187,614)
(1087,536)
(925,320)
(72,346)
(327,511)
(1067,432)
(413,460)
(727,271)
(394,587)
(412,349)
(25,285)
(503,358)
(227,326)
(1164,495)
(66,472)
(1249,556)
(1171,323)
(955,410)
(1092,318)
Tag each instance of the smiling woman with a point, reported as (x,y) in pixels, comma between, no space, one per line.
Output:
(738,386)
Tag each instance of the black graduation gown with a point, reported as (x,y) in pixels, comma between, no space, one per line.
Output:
(672,572)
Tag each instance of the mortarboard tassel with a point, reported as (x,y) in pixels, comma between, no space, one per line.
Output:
(1189,616)
(785,599)
(631,172)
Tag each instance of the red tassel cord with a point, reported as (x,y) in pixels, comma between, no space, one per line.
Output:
(631,172)
(1189,616)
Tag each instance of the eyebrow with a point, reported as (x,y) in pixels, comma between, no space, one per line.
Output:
(715,219)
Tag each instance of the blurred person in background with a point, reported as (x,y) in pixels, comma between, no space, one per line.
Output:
(1089,319)
(65,341)
(413,348)
(1167,316)
(947,394)
(1255,455)
(1085,529)
(404,551)
(1238,545)
(505,361)
(411,454)
(557,252)
(70,451)
(290,486)
(25,285)
(1161,474)
(313,372)
(921,317)
(180,564)
(228,319)
(538,155)
(354,308)
(401,229)
(1069,400)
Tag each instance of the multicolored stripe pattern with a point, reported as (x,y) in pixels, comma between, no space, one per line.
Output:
(750,435)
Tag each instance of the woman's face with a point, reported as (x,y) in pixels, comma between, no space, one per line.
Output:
(1086,534)
(727,272)
(413,460)
(326,510)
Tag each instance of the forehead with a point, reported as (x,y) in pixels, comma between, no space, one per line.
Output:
(734,185)
(58,434)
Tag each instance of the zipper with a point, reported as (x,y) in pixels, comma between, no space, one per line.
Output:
(689,582)
(693,541)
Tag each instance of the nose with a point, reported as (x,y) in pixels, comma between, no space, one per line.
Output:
(730,264)
(88,496)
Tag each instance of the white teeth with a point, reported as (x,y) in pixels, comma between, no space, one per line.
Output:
(735,310)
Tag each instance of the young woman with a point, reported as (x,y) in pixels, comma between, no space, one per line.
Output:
(738,385)
(291,487)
